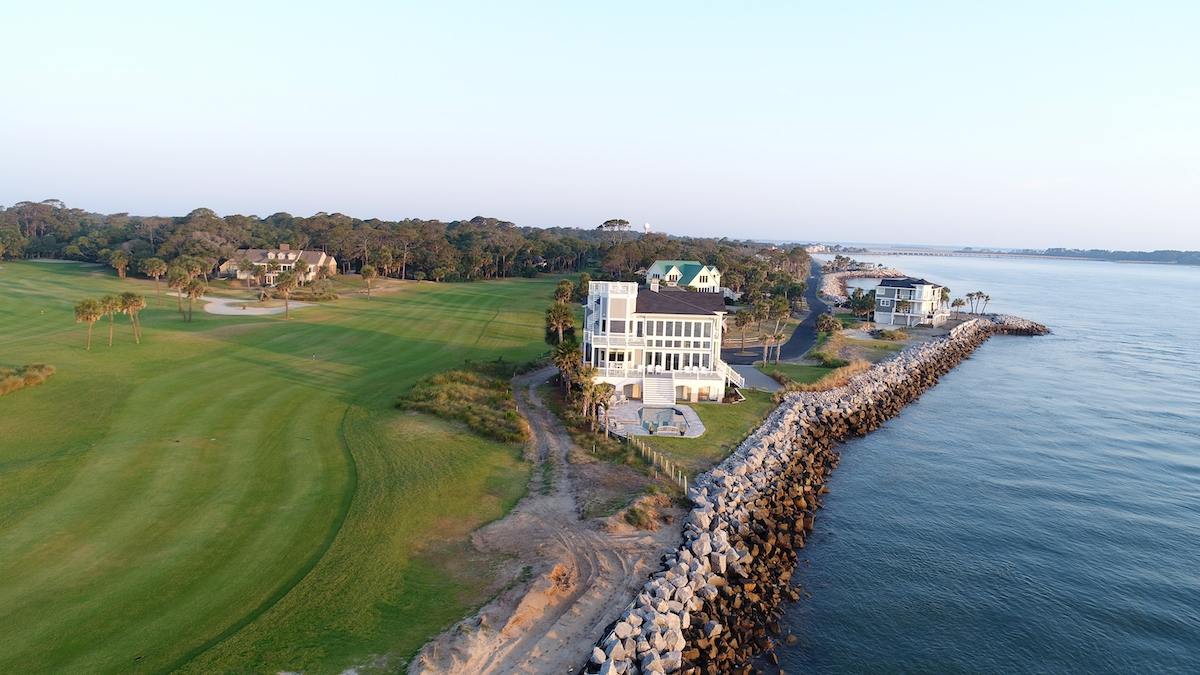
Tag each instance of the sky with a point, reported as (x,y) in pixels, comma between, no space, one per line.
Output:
(986,124)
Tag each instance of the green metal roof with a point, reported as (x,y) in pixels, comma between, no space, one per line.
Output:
(688,269)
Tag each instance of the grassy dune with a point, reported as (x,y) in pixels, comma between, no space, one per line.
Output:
(216,500)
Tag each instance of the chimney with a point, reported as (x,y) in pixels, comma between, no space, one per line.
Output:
(285,247)
(654,285)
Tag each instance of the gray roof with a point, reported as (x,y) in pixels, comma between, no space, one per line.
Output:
(679,302)
(905,282)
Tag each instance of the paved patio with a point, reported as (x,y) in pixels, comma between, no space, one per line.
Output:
(623,419)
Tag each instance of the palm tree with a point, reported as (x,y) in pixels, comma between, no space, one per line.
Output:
(325,271)
(301,268)
(560,317)
(742,320)
(986,300)
(246,265)
(564,290)
(110,305)
(368,273)
(604,392)
(155,267)
(273,267)
(958,302)
(194,266)
(567,359)
(119,260)
(945,296)
(902,306)
(286,283)
(132,303)
(195,290)
(88,310)
(260,275)
(177,278)
(778,338)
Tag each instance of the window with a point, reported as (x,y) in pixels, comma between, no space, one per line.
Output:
(707,345)
(603,325)
(687,360)
(885,303)
(618,326)
(658,343)
(687,329)
(704,359)
(670,325)
(708,330)
(639,329)
(677,344)
(658,328)
(678,329)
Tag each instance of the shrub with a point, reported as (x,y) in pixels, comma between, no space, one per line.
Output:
(892,334)
(829,359)
(12,379)
(781,378)
(828,323)
(484,403)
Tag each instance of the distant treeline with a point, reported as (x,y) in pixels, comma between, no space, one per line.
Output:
(461,250)
(1176,257)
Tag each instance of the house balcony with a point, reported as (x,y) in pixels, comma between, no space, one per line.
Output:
(613,340)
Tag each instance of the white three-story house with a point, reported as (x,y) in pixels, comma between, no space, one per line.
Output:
(923,306)
(657,344)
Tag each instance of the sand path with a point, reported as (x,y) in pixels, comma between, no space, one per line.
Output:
(584,573)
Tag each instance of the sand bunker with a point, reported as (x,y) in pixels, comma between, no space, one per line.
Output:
(234,307)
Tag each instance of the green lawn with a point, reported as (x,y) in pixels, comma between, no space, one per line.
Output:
(725,426)
(217,500)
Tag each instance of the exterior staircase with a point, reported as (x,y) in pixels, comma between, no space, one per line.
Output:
(658,389)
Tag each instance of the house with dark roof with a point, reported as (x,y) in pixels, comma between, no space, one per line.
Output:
(657,344)
(907,301)
(284,255)
(690,273)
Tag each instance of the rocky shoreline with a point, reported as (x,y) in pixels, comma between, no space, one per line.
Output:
(833,286)
(715,602)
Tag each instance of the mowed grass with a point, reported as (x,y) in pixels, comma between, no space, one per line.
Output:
(725,427)
(216,499)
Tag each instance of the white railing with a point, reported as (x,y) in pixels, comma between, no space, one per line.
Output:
(731,374)
(618,340)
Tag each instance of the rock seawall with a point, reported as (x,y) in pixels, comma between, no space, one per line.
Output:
(715,603)
(833,285)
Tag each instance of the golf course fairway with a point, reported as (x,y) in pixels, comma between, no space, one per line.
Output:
(238,494)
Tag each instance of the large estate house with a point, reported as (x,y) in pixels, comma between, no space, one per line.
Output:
(691,273)
(924,303)
(657,344)
(286,258)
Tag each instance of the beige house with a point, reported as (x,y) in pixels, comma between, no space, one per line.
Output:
(286,258)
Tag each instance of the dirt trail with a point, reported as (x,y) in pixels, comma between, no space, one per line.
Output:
(584,572)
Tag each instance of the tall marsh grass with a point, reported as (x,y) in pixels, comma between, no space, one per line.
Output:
(12,379)
(833,380)
(485,404)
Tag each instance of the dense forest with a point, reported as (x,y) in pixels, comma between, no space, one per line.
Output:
(461,250)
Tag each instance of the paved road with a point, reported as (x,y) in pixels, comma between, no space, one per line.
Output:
(802,339)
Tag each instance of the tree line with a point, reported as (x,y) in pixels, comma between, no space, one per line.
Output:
(461,250)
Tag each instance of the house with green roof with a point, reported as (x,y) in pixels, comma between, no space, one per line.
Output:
(703,278)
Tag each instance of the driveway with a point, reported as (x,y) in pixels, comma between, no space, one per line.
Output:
(802,339)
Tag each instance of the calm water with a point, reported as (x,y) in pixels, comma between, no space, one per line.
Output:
(1036,512)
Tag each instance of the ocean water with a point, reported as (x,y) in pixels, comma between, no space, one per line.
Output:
(1036,512)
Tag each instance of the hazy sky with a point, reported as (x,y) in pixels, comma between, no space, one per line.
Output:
(968,123)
